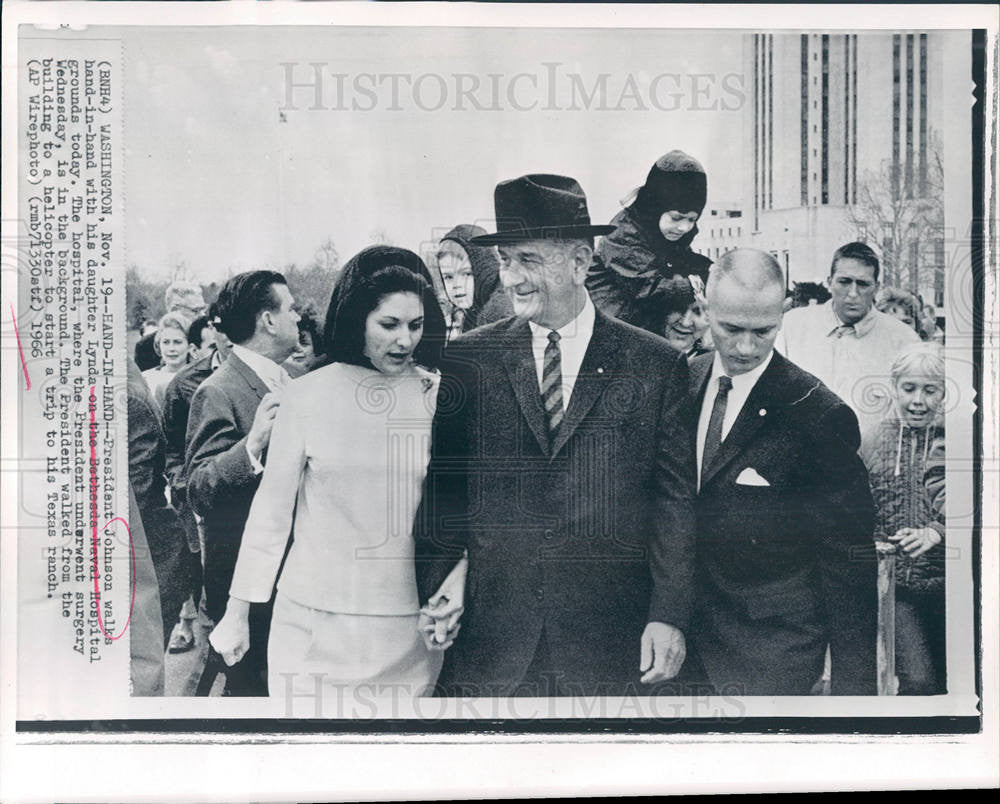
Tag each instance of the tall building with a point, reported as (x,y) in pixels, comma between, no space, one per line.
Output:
(834,125)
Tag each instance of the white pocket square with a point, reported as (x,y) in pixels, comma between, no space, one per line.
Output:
(749,477)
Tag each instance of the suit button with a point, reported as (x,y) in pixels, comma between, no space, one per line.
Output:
(550,534)
(539,595)
(753,541)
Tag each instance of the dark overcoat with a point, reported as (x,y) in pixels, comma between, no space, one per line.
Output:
(589,538)
(785,568)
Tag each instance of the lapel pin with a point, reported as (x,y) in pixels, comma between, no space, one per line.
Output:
(600,370)
(762,412)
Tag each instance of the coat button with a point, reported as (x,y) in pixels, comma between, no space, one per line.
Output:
(753,541)
(539,594)
(550,534)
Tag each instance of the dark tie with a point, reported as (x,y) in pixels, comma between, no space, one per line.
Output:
(845,329)
(552,399)
(713,439)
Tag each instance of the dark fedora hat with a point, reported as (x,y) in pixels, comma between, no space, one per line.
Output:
(540,206)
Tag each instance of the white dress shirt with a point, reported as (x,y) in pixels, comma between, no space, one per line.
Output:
(271,374)
(574,338)
(742,386)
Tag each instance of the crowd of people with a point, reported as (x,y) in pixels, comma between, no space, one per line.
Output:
(552,469)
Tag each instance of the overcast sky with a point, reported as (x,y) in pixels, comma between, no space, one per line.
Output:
(219,177)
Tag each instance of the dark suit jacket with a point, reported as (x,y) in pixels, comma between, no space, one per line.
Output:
(220,479)
(163,530)
(176,409)
(784,568)
(590,539)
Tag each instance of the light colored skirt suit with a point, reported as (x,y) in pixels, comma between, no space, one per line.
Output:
(344,473)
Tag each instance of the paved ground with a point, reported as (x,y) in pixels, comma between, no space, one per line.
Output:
(183,670)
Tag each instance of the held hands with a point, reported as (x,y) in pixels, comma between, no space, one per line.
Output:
(263,421)
(916,541)
(662,652)
(231,637)
(439,619)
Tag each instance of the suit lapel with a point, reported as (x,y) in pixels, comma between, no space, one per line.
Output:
(248,374)
(757,409)
(520,364)
(601,355)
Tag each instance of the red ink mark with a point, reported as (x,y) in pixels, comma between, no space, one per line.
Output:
(27,379)
(93,518)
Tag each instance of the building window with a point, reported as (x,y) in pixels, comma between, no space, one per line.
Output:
(908,172)
(896,45)
(825,123)
(804,121)
(922,159)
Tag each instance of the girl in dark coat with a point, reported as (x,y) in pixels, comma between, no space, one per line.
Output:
(630,277)
(471,279)
(904,456)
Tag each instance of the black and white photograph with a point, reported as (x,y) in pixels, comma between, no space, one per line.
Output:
(480,369)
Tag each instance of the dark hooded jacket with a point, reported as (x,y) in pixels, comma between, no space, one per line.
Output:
(364,264)
(489,301)
(901,463)
(630,276)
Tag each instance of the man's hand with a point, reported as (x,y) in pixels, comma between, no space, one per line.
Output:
(662,652)
(263,421)
(439,619)
(231,637)
(916,541)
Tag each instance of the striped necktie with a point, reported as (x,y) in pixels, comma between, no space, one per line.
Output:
(552,397)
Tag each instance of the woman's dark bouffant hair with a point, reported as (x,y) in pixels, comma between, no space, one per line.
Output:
(347,340)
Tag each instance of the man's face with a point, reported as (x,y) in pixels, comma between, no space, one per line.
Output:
(544,280)
(207,342)
(744,322)
(853,287)
(284,322)
(192,310)
(456,274)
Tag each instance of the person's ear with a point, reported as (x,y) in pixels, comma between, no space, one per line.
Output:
(583,255)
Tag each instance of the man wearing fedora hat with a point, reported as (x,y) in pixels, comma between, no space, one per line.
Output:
(562,465)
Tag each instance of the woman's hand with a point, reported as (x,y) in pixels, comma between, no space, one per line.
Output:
(439,619)
(231,637)
(916,541)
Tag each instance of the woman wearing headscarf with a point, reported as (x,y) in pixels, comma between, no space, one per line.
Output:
(345,467)
(470,276)
(633,268)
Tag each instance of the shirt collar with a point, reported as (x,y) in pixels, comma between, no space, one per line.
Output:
(860,328)
(270,373)
(580,327)
(742,383)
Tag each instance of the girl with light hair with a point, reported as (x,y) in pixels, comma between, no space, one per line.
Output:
(905,459)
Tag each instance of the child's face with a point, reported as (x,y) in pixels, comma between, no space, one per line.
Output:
(675,224)
(919,398)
